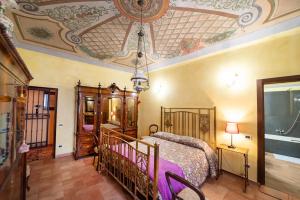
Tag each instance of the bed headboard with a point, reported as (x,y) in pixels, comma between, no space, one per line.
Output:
(195,122)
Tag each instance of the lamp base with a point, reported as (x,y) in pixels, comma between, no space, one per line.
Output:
(231,146)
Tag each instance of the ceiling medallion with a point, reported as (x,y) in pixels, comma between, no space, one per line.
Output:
(152,9)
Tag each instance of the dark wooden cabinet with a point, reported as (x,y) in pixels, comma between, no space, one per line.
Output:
(103,107)
(14,77)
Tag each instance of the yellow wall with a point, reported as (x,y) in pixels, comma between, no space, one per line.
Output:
(56,72)
(206,82)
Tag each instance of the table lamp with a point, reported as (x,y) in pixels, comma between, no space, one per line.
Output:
(232,128)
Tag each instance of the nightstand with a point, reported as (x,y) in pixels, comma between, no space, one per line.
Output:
(239,150)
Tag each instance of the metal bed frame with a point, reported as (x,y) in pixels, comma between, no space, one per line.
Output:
(130,166)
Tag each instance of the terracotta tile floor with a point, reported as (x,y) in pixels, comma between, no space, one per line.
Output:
(65,178)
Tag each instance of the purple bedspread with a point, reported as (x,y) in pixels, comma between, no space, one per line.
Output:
(164,166)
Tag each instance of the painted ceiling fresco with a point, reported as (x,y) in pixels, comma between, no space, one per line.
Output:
(106,30)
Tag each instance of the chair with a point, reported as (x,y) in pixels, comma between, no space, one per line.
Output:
(189,193)
(153,128)
(96,149)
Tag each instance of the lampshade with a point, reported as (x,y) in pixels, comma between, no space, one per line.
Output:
(232,128)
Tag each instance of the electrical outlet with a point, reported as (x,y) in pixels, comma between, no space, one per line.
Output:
(60,124)
(60,146)
(248,137)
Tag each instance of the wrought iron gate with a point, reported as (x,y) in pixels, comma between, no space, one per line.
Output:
(37,117)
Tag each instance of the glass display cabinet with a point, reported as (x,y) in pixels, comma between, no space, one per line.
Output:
(14,77)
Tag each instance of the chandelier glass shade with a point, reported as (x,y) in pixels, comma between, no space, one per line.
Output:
(140,79)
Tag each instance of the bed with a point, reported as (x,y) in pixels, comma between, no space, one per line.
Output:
(140,166)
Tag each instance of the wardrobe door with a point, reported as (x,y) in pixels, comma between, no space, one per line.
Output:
(131,116)
(112,112)
(89,113)
(87,123)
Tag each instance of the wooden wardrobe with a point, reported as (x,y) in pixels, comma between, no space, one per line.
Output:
(14,77)
(98,107)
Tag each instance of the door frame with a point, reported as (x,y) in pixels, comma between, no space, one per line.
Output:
(55,116)
(261,121)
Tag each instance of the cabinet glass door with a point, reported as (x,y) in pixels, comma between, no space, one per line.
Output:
(111,112)
(7,93)
(89,113)
(131,116)
(19,109)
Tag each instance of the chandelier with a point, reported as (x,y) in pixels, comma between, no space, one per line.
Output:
(140,79)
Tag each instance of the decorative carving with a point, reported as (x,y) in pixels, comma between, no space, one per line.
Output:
(113,87)
(204,123)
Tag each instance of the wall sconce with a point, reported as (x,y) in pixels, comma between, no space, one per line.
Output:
(232,128)
(232,80)
(160,89)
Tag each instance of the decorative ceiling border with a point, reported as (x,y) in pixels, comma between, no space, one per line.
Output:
(16,18)
(46,3)
(213,12)
(69,56)
(269,18)
(231,43)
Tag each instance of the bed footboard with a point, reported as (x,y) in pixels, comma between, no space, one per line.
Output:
(133,165)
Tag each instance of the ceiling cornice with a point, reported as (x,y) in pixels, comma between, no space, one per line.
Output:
(70,56)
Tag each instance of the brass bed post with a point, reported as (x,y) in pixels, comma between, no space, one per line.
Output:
(161,118)
(215,126)
(148,172)
(136,161)
(156,168)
